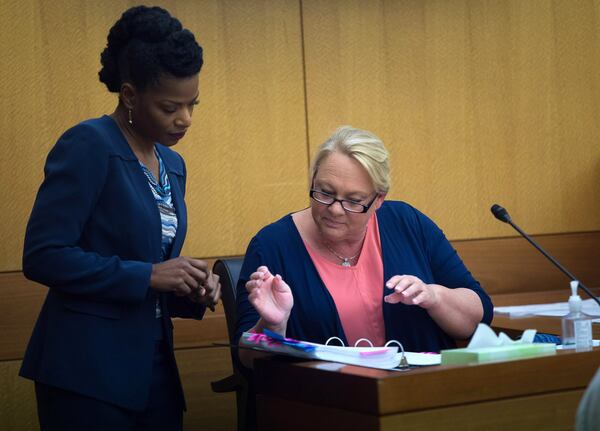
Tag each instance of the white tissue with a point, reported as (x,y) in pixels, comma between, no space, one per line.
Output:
(485,336)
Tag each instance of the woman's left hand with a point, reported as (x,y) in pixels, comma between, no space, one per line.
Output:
(410,290)
(208,293)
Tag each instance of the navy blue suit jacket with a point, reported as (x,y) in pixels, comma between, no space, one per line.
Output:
(411,243)
(93,235)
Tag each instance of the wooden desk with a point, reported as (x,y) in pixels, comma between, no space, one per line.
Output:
(551,325)
(528,394)
(513,327)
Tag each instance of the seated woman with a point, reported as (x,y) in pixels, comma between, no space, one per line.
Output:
(354,265)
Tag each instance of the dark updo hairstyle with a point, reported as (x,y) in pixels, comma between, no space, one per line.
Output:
(145,43)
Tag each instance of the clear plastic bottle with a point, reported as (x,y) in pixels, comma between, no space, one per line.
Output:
(576,326)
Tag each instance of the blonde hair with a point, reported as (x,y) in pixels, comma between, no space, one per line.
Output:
(364,147)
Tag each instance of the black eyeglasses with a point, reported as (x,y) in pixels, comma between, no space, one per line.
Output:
(348,205)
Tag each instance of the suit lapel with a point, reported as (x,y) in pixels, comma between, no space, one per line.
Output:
(146,196)
(175,178)
(142,189)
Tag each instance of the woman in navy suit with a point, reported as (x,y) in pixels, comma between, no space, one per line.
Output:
(104,236)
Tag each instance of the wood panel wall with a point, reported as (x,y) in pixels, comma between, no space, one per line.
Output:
(479,102)
(246,154)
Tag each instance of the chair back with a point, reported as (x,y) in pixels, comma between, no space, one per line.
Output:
(228,270)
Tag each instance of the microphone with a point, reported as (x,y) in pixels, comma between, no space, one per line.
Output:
(502,215)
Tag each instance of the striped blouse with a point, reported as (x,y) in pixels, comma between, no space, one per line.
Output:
(161,190)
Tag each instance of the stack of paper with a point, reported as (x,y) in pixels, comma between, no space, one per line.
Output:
(373,357)
(557,309)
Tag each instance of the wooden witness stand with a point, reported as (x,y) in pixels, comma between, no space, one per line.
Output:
(527,394)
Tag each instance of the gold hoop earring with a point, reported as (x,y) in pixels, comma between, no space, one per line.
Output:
(130,119)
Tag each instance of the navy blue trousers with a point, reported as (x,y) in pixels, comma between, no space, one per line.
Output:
(63,410)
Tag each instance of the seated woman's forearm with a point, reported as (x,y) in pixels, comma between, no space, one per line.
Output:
(457,311)
(261,325)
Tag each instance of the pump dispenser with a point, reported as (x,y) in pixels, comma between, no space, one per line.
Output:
(576,326)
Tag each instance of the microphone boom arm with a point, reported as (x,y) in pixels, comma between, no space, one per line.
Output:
(554,261)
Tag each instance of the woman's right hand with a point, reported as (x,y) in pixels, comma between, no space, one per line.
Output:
(181,275)
(271,297)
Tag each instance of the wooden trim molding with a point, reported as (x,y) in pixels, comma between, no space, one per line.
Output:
(508,268)
(22,299)
(512,265)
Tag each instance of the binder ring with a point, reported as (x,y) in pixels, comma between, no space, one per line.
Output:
(403,361)
(334,338)
(363,339)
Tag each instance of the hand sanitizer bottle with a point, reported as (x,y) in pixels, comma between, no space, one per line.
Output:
(576,326)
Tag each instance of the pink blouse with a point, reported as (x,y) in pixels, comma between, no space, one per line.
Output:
(357,290)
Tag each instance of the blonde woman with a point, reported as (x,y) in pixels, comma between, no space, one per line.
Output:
(354,265)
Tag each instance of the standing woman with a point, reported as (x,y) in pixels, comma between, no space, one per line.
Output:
(104,236)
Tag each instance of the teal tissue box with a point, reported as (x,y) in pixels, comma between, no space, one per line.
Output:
(498,353)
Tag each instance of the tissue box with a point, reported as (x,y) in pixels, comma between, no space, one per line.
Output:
(497,353)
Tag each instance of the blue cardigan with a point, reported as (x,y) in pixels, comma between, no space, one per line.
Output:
(411,244)
(93,235)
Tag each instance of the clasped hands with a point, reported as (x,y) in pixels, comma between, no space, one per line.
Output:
(185,276)
(272,297)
